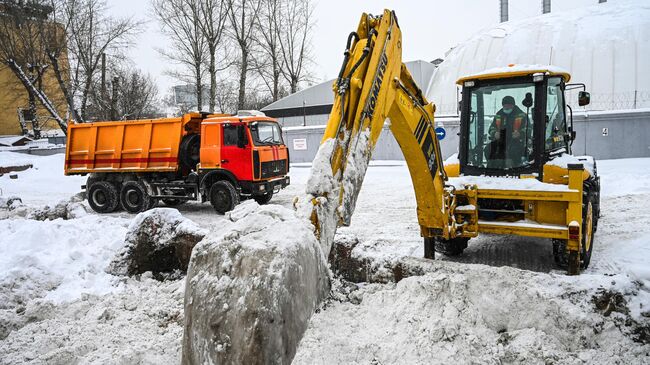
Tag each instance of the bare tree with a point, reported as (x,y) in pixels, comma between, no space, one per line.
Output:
(242,18)
(214,14)
(180,22)
(293,33)
(268,63)
(91,34)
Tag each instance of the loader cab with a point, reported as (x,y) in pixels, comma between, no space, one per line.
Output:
(513,121)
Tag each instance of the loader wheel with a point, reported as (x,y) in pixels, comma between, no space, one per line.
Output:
(263,199)
(134,197)
(103,197)
(564,259)
(223,196)
(452,247)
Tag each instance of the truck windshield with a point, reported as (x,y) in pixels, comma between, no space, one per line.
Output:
(265,133)
(501,126)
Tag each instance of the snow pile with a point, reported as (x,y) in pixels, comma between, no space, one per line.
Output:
(66,209)
(56,260)
(10,159)
(142,324)
(504,183)
(252,289)
(158,240)
(566,159)
(470,313)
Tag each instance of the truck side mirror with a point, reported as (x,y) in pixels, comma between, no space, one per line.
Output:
(583,98)
(242,141)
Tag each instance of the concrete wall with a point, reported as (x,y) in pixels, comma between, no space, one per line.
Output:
(628,135)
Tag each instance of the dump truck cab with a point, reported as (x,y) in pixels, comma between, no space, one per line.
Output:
(514,120)
(248,150)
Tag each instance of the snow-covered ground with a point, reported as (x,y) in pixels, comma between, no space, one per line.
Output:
(500,302)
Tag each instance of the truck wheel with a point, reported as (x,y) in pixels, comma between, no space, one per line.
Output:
(452,247)
(134,197)
(429,248)
(263,199)
(103,197)
(223,196)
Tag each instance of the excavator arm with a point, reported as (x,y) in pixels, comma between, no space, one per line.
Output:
(374,86)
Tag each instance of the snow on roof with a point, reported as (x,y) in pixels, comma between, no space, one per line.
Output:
(517,70)
(604,46)
(10,140)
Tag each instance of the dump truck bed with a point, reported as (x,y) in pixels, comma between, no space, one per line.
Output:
(125,146)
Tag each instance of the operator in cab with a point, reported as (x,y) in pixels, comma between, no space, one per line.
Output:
(507,134)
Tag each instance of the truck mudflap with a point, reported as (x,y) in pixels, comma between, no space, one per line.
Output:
(274,185)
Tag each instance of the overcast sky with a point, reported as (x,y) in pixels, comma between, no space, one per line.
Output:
(429,28)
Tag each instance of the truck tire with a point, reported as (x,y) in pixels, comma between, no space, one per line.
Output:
(561,255)
(223,196)
(452,247)
(263,199)
(189,151)
(134,197)
(103,197)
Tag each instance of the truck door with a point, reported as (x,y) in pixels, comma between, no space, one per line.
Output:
(236,151)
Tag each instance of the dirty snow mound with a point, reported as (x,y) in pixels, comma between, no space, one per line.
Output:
(470,314)
(251,290)
(158,240)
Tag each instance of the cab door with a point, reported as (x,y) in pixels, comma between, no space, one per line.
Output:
(236,151)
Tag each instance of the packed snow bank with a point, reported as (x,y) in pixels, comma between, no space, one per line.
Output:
(251,290)
(470,313)
(624,176)
(142,324)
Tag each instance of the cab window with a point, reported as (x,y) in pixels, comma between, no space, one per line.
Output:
(266,133)
(556,130)
(230,135)
(501,126)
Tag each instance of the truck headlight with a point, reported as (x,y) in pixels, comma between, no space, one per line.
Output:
(262,187)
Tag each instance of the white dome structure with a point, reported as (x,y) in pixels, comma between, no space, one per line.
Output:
(605,46)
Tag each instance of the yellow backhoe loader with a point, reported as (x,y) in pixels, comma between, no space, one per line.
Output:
(514,173)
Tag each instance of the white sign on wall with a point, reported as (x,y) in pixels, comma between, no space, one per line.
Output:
(300,144)
(605,132)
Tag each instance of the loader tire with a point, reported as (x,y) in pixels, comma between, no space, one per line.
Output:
(134,197)
(263,199)
(103,197)
(562,256)
(452,247)
(223,196)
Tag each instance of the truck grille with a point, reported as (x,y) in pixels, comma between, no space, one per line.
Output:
(274,168)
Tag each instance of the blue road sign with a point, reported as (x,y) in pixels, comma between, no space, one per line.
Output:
(440,133)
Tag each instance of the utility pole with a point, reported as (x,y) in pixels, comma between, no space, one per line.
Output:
(546,6)
(504,10)
(114,99)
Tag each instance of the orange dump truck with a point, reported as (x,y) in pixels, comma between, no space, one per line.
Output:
(205,157)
